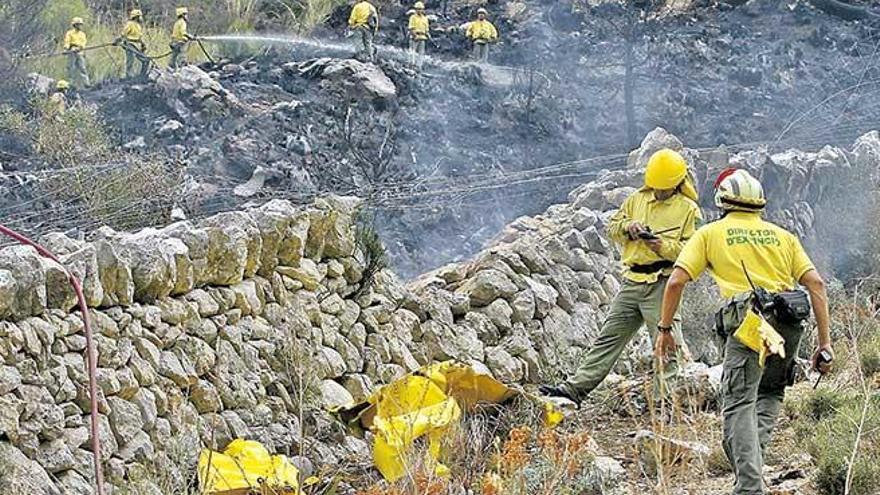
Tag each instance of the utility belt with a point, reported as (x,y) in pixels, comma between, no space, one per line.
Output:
(790,307)
(652,267)
(481,41)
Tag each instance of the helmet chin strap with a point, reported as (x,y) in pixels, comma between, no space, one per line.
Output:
(742,205)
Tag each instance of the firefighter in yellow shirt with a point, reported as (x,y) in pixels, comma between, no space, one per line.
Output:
(74,42)
(132,41)
(752,261)
(419,33)
(481,32)
(364,23)
(57,103)
(651,227)
(179,38)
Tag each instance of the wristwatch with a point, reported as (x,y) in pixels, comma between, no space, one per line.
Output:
(664,329)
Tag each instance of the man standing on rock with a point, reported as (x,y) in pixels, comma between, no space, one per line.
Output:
(132,41)
(419,32)
(364,22)
(481,32)
(651,227)
(748,257)
(179,38)
(74,43)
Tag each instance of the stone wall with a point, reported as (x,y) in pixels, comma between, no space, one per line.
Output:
(220,328)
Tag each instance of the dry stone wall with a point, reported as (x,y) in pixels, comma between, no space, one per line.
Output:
(221,328)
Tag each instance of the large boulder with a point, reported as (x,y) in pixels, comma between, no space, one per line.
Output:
(18,473)
(356,78)
(22,282)
(656,140)
(190,91)
(487,285)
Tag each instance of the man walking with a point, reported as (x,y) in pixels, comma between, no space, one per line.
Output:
(364,23)
(651,228)
(419,32)
(132,41)
(481,32)
(74,42)
(751,260)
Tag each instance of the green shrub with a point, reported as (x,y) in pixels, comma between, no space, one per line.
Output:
(831,445)
(869,353)
(73,138)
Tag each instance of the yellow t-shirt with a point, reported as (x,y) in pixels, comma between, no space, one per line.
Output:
(74,38)
(774,257)
(481,31)
(132,31)
(678,214)
(179,32)
(419,26)
(361,13)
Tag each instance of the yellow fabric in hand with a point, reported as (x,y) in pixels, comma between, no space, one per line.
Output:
(758,335)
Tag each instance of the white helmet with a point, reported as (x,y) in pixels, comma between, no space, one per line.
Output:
(736,189)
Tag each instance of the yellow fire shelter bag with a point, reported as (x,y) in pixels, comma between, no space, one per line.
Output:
(246,467)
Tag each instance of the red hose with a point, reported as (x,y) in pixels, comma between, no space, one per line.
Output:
(90,352)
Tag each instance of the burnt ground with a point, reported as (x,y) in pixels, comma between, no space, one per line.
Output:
(462,150)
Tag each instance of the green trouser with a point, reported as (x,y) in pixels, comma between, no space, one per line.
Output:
(417,52)
(481,51)
(134,54)
(76,69)
(752,397)
(177,54)
(365,39)
(635,304)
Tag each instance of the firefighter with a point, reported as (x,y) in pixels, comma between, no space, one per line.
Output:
(74,42)
(57,104)
(132,41)
(364,23)
(651,227)
(481,32)
(752,261)
(179,38)
(419,33)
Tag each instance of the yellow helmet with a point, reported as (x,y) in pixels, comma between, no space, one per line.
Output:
(736,189)
(135,13)
(179,11)
(666,170)
(62,84)
(76,20)
(419,6)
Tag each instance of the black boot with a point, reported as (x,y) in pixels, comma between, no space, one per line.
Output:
(557,391)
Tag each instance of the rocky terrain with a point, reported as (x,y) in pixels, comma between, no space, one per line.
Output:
(252,323)
(460,150)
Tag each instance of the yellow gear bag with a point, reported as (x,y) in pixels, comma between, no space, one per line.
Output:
(758,335)
(246,466)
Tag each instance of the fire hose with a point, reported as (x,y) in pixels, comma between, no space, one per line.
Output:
(90,351)
(65,52)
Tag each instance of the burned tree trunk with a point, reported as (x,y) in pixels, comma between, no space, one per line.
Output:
(845,10)
(628,90)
